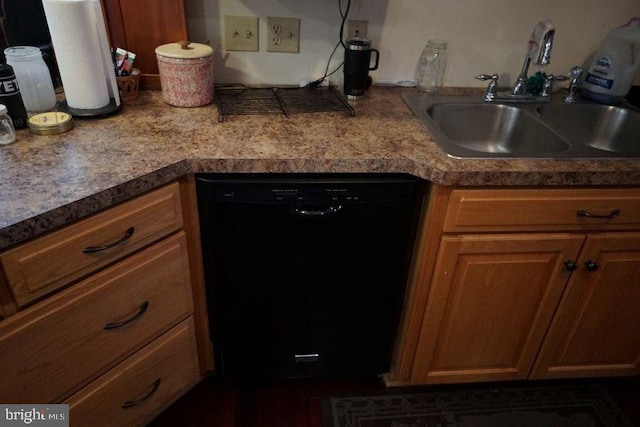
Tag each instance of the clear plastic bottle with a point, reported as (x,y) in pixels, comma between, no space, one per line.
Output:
(7,131)
(431,66)
(33,77)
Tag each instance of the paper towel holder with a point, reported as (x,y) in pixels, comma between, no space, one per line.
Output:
(107,110)
(86,93)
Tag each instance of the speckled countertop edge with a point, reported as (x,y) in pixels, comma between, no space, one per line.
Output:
(49,181)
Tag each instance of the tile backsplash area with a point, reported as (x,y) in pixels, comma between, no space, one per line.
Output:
(484,36)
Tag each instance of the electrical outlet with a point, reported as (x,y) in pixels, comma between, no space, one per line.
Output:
(356,29)
(241,33)
(283,35)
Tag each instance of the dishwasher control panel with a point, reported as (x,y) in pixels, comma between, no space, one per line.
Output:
(296,191)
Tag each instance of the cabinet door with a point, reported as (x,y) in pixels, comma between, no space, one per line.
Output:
(142,25)
(491,301)
(596,331)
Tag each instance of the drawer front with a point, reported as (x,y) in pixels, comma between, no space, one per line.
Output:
(137,390)
(538,210)
(38,267)
(54,347)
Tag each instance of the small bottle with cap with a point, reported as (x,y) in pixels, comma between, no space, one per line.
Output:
(7,131)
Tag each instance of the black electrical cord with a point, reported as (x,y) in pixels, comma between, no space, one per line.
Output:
(343,14)
(344,19)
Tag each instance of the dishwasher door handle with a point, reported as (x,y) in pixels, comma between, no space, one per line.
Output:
(331,210)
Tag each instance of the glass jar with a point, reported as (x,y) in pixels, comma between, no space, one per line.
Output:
(431,66)
(33,77)
(7,132)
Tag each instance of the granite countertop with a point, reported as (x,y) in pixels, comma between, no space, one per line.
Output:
(48,181)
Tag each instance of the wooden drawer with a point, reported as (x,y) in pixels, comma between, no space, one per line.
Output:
(144,384)
(54,347)
(40,266)
(537,210)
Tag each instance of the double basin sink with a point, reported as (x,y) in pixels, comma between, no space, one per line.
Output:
(468,127)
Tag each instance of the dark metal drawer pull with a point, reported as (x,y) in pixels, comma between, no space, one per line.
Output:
(614,213)
(127,235)
(132,403)
(115,325)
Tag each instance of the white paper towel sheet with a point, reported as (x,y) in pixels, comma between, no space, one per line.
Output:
(81,47)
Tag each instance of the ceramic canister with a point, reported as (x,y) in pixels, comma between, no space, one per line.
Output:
(186,73)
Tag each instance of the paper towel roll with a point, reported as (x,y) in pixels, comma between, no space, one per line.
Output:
(79,40)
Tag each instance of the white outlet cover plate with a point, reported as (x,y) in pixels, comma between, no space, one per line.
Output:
(283,35)
(241,33)
(357,28)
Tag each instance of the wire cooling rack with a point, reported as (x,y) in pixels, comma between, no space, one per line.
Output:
(242,100)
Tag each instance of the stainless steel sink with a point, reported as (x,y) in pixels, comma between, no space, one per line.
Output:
(494,129)
(604,127)
(468,127)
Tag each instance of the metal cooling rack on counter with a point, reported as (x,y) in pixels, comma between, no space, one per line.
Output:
(243,100)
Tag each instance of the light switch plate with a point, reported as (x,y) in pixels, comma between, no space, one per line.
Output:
(241,33)
(283,35)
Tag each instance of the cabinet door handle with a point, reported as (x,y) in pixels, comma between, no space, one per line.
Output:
(115,325)
(570,265)
(132,403)
(614,213)
(591,265)
(127,235)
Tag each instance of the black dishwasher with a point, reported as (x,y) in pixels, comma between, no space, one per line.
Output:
(305,274)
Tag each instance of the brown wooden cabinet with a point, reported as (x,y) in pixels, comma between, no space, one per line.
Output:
(142,296)
(39,267)
(118,333)
(142,25)
(525,285)
(491,302)
(143,385)
(596,330)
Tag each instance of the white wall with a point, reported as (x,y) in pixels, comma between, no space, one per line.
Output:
(485,36)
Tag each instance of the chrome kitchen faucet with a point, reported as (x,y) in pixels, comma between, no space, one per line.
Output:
(538,50)
(540,45)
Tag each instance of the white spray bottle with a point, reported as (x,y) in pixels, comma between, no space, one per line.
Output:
(611,72)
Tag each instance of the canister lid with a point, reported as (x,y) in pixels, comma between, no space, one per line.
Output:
(185,50)
(50,123)
(22,52)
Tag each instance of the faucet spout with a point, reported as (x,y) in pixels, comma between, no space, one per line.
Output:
(546,44)
(538,50)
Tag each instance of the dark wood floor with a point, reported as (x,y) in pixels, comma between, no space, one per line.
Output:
(297,403)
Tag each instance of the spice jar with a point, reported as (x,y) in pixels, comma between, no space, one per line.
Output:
(33,77)
(431,66)
(7,132)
